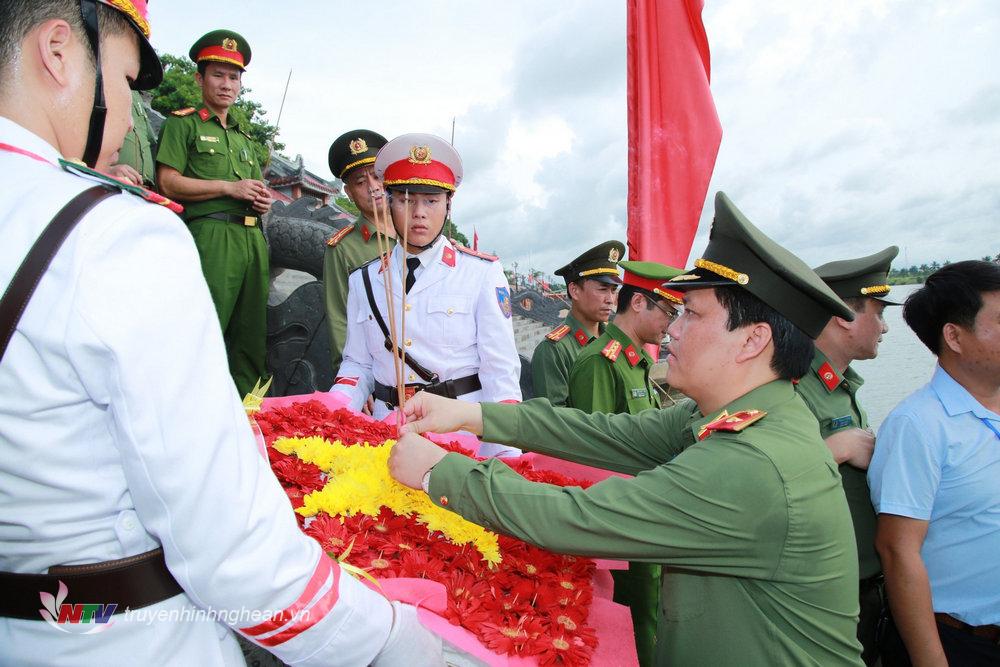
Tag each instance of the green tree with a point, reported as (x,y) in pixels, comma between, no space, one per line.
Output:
(451,231)
(179,91)
(347,205)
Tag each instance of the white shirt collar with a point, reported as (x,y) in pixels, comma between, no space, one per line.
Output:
(17,136)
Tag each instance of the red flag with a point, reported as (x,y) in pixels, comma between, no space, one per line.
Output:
(674,130)
(475,239)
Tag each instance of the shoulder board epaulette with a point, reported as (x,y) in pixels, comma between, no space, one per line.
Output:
(336,238)
(245,134)
(734,423)
(476,253)
(558,333)
(370,262)
(612,350)
(183,112)
(80,169)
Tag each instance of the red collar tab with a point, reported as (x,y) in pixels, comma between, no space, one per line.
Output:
(204,114)
(632,356)
(612,350)
(448,256)
(828,376)
(733,423)
(581,337)
(558,333)
(365,234)
(26,153)
(384,263)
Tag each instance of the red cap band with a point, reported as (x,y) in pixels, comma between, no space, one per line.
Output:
(219,54)
(406,171)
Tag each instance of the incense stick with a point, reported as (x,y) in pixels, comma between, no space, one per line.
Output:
(402,326)
(383,243)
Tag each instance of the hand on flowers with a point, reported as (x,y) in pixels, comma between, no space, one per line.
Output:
(409,642)
(854,446)
(411,457)
(428,412)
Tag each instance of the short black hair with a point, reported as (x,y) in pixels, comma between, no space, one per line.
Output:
(954,294)
(793,349)
(625,295)
(19,17)
(858,304)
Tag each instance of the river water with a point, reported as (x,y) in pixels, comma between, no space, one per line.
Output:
(903,364)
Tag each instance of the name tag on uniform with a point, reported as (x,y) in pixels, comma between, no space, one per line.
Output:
(211,140)
(639,393)
(840,422)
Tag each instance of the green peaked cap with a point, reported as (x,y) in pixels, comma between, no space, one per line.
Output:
(354,149)
(740,254)
(864,276)
(600,263)
(223,46)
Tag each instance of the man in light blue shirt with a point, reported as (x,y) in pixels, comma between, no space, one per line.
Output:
(935,480)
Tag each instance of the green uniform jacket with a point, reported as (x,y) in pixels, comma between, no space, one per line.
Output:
(834,401)
(137,148)
(346,250)
(753,525)
(553,359)
(612,375)
(196,145)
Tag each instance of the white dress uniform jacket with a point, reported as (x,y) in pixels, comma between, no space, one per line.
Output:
(121,430)
(458,323)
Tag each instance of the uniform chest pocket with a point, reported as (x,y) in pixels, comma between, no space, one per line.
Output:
(450,320)
(210,159)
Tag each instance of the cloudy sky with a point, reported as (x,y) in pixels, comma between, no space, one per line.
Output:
(848,125)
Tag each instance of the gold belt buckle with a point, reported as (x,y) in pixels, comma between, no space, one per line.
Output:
(249,221)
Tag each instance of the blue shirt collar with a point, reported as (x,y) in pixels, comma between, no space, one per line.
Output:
(955,398)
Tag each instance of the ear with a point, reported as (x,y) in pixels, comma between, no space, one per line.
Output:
(757,340)
(573,290)
(53,41)
(199,79)
(638,303)
(842,323)
(951,337)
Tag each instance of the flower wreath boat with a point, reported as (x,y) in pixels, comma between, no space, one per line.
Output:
(494,599)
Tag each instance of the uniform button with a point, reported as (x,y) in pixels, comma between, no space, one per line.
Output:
(411,377)
(128,523)
(409,307)
(443,500)
(451,311)
(409,342)
(211,151)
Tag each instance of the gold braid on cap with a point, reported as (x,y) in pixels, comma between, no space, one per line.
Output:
(591,272)
(724,271)
(129,8)
(421,181)
(875,289)
(352,165)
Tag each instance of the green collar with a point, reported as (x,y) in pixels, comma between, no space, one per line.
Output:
(617,334)
(822,368)
(233,123)
(764,397)
(575,325)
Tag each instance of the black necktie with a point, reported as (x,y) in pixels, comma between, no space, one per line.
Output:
(411,272)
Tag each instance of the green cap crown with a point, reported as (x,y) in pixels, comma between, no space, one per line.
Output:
(864,276)
(354,149)
(599,263)
(740,254)
(223,46)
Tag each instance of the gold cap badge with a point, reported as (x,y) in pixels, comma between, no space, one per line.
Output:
(613,255)
(229,44)
(358,146)
(420,155)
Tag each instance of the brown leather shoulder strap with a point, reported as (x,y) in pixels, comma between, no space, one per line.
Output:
(22,285)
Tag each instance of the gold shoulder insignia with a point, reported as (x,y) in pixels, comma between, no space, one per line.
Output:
(183,112)
(336,238)
(734,423)
(558,333)
(612,350)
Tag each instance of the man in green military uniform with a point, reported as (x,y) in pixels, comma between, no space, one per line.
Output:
(206,160)
(612,375)
(352,160)
(734,490)
(591,282)
(830,390)
(135,163)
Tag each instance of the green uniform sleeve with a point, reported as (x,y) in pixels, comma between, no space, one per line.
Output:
(623,443)
(550,368)
(175,138)
(695,511)
(594,386)
(335,291)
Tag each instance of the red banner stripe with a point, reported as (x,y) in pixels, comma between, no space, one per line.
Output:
(319,577)
(315,614)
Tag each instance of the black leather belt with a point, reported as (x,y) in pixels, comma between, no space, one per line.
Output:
(448,389)
(130,583)
(990,633)
(245,220)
